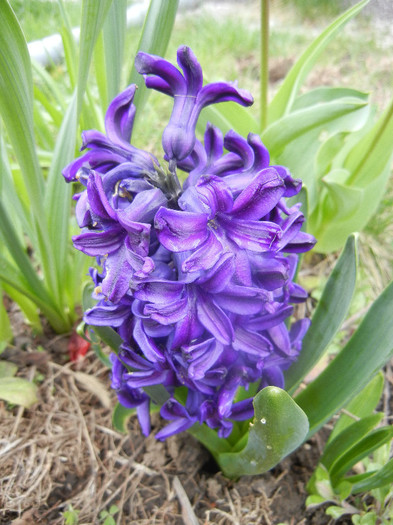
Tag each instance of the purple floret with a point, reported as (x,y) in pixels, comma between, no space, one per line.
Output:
(197,279)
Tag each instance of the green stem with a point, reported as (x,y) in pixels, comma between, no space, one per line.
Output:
(264,58)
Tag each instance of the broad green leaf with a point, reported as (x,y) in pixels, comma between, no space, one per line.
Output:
(326,153)
(354,205)
(373,154)
(121,416)
(363,448)
(93,17)
(285,96)
(278,428)
(358,362)
(324,94)
(7,369)
(18,391)
(348,438)
(321,116)
(362,405)
(156,32)
(295,139)
(380,478)
(328,316)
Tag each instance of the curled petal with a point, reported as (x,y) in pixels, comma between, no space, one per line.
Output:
(119,117)
(179,230)
(260,197)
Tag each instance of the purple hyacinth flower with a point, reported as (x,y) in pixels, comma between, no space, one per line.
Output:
(189,96)
(196,279)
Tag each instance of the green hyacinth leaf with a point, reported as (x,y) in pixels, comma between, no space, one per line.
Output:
(361,406)
(358,362)
(374,480)
(328,316)
(278,428)
(121,416)
(348,438)
(155,36)
(362,449)
(285,96)
(18,391)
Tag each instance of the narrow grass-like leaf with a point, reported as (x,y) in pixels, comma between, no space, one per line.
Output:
(58,193)
(285,96)
(16,100)
(16,108)
(348,438)
(364,448)
(156,32)
(278,428)
(69,45)
(380,478)
(114,33)
(28,307)
(93,17)
(6,334)
(362,405)
(328,316)
(363,356)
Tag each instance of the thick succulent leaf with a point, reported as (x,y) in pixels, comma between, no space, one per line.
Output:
(154,39)
(278,428)
(18,391)
(328,316)
(348,438)
(362,357)
(363,448)
(285,96)
(361,406)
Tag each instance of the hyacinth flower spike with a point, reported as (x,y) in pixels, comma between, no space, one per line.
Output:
(196,279)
